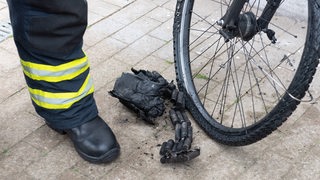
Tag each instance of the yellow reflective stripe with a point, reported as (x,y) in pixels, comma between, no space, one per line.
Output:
(51,100)
(61,67)
(58,73)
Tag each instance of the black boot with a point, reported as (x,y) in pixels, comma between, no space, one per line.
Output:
(94,141)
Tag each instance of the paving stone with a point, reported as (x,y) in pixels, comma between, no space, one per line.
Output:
(164,31)
(268,166)
(44,139)
(93,18)
(102,8)
(103,28)
(124,173)
(130,56)
(174,171)
(16,159)
(61,157)
(233,165)
(107,71)
(307,167)
(21,176)
(166,52)
(105,101)
(136,30)
(146,45)
(91,171)
(169,73)
(120,3)
(171,5)
(3,5)
(131,13)
(8,60)
(4,14)
(9,45)
(71,174)
(12,82)
(104,50)
(315,86)
(16,122)
(139,50)
(160,2)
(160,14)
(146,160)
(159,64)
(301,136)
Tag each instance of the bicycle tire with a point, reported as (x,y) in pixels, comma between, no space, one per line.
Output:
(287,103)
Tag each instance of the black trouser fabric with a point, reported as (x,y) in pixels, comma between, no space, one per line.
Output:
(49,34)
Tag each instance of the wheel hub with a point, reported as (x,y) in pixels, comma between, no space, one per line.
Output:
(247,26)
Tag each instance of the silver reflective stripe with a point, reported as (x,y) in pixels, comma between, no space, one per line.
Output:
(63,100)
(51,100)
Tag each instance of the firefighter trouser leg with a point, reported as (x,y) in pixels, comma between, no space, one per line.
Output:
(48,35)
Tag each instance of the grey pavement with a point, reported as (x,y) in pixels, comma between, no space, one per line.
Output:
(138,33)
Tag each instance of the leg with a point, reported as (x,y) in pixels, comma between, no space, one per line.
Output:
(48,36)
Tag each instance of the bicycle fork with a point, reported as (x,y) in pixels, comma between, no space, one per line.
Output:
(245,25)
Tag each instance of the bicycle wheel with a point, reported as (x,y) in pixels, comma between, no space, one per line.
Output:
(239,91)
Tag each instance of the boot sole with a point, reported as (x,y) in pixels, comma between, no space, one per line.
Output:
(111,155)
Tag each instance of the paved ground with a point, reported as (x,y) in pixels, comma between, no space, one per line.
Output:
(138,33)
